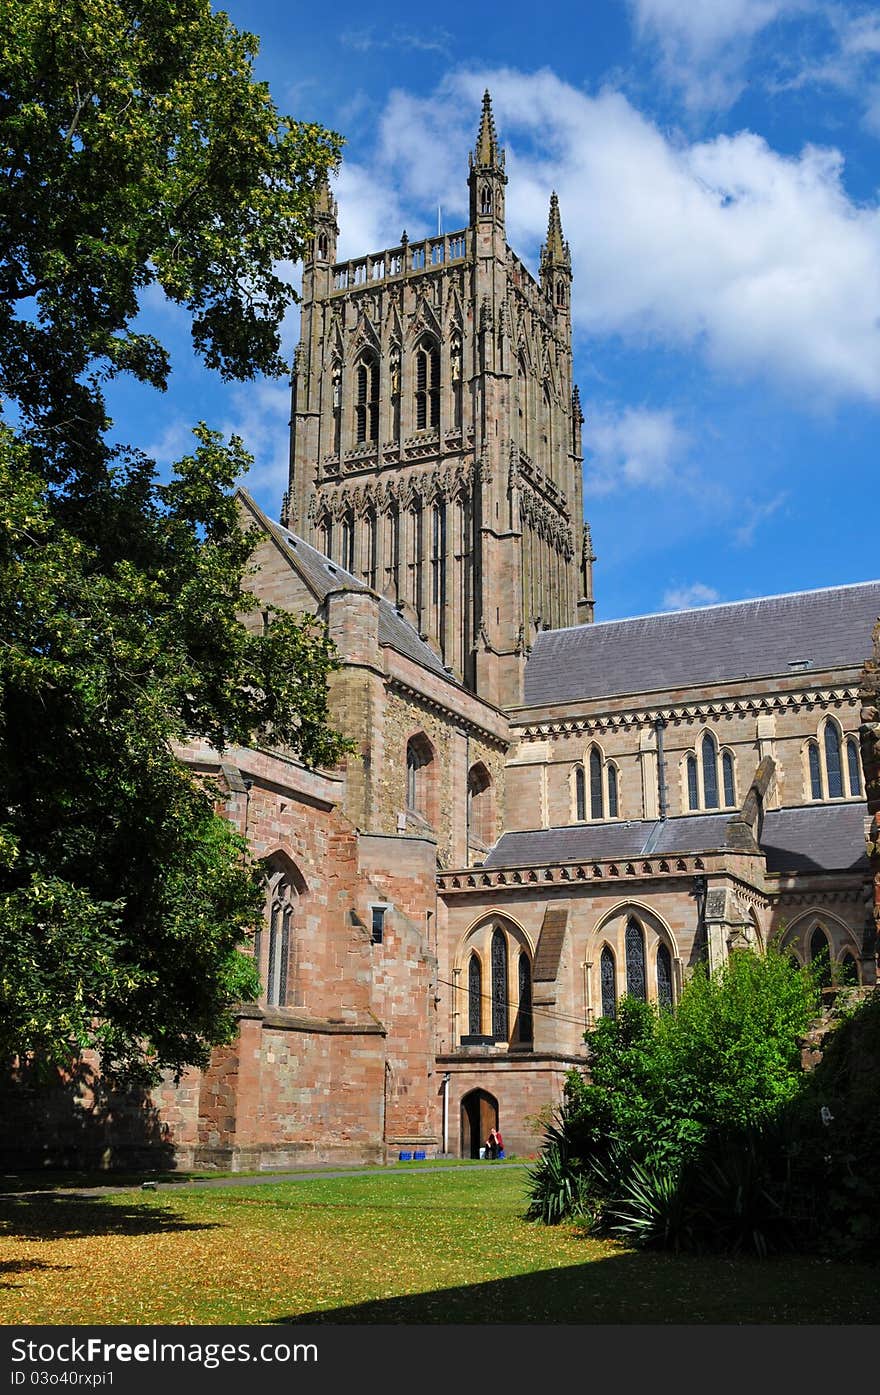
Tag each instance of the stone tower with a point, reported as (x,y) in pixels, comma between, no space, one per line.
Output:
(436,435)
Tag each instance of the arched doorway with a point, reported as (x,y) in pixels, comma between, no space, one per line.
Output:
(479,1114)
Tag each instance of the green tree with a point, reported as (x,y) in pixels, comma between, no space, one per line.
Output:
(137,150)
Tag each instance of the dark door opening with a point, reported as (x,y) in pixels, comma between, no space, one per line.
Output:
(479,1114)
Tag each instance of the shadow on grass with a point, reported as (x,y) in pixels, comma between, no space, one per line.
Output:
(639,1288)
(54,1217)
(24,1266)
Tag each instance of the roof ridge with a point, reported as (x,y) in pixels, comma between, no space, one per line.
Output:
(717,605)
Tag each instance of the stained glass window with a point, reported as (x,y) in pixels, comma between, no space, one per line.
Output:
(855,769)
(475,995)
(609,987)
(525,998)
(727,776)
(832,761)
(499,985)
(815,771)
(595,784)
(636,985)
(612,791)
(693,793)
(664,976)
(580,793)
(710,773)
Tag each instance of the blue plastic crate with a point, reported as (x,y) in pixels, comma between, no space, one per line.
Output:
(405,1156)
(419,1155)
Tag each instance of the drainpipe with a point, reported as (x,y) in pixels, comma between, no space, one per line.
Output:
(659,724)
(446,1114)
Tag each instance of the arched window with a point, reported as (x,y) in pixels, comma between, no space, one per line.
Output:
(273,948)
(485,200)
(347,558)
(815,770)
(499,985)
(710,772)
(560,292)
(322,247)
(596,810)
(727,779)
(604,787)
(524,1014)
(427,403)
(438,557)
(709,776)
(480,817)
(475,995)
(612,791)
(664,976)
(419,760)
(832,761)
(693,792)
(367,399)
(372,572)
(580,794)
(327,536)
(854,767)
(820,951)
(636,985)
(848,969)
(608,977)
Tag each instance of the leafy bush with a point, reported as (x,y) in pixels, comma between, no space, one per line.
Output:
(648,1135)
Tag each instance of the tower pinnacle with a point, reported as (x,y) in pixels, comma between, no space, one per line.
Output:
(486,152)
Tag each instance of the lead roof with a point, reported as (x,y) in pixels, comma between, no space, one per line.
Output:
(687,649)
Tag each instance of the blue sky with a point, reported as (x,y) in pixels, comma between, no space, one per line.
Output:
(717,167)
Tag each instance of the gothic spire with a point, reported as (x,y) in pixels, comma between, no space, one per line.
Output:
(487,152)
(555,251)
(324,200)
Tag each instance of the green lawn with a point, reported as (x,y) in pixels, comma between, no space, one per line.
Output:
(407,1246)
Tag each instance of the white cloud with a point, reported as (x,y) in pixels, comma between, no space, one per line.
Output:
(849,61)
(759,259)
(687,597)
(754,514)
(635,447)
(260,416)
(704,45)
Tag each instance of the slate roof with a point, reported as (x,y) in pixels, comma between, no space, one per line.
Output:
(812,838)
(688,649)
(323,576)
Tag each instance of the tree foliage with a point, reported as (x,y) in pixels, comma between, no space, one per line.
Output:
(668,1090)
(137,151)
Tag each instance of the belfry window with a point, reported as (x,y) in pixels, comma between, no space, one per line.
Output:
(485,199)
(427,400)
(366,410)
(347,558)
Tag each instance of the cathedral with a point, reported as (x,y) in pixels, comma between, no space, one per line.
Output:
(541,812)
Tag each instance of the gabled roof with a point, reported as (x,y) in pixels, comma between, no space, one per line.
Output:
(321,576)
(806,631)
(809,838)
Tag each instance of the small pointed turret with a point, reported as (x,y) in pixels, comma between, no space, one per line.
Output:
(556,260)
(486,152)
(487,178)
(326,226)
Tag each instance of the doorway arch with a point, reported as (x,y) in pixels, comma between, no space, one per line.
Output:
(479,1114)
